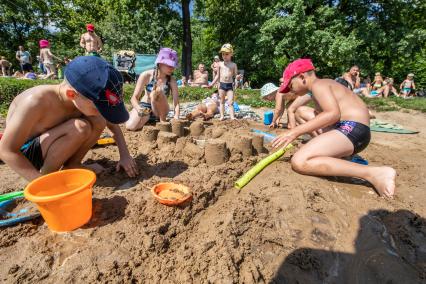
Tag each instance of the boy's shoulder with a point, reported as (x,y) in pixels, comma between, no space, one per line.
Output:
(146,73)
(40,95)
(321,85)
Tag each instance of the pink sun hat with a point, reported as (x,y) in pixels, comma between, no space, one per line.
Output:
(43,43)
(168,57)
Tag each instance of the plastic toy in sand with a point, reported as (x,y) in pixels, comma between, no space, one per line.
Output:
(14,210)
(247,177)
(359,160)
(105,140)
(266,135)
(171,194)
(64,198)
(11,195)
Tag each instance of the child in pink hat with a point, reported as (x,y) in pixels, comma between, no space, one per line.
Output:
(46,58)
(342,119)
(156,85)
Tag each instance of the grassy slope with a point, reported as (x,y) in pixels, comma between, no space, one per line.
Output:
(11,87)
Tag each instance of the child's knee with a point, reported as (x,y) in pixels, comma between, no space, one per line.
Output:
(82,128)
(135,123)
(299,163)
(130,125)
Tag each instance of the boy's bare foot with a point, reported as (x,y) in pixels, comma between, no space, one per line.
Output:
(222,118)
(383,180)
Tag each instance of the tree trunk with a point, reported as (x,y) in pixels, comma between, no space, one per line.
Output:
(187,39)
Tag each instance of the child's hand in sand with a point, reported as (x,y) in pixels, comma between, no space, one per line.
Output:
(128,164)
(273,125)
(284,139)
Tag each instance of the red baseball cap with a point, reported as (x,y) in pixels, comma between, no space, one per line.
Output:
(90,27)
(295,68)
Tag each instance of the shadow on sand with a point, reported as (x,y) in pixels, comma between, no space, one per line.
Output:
(390,248)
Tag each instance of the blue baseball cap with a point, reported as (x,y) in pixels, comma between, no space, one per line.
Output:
(98,81)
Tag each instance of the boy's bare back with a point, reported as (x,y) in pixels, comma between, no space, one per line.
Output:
(39,109)
(350,105)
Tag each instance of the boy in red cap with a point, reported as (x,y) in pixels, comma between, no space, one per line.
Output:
(49,127)
(91,42)
(342,119)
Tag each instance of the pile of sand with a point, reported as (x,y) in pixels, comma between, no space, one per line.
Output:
(281,228)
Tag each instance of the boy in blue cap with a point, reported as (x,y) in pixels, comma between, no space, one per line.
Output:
(49,127)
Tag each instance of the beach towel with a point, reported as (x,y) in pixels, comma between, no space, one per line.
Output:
(382,126)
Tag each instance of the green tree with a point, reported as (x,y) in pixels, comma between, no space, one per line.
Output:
(22,23)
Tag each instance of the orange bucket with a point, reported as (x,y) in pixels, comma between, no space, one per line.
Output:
(63,198)
(169,193)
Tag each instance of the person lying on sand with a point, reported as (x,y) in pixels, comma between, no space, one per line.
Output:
(207,109)
(49,127)
(344,122)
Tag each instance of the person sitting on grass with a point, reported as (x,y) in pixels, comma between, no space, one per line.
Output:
(158,84)
(376,85)
(407,86)
(207,109)
(388,88)
(226,73)
(344,120)
(182,82)
(201,77)
(352,79)
(49,127)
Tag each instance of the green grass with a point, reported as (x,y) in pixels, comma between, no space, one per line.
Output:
(395,103)
(10,87)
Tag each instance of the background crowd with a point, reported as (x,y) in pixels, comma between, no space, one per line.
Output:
(387,37)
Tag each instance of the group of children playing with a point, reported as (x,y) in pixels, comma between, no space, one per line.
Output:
(38,141)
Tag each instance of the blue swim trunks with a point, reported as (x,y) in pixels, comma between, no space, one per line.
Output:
(226,86)
(32,151)
(358,133)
